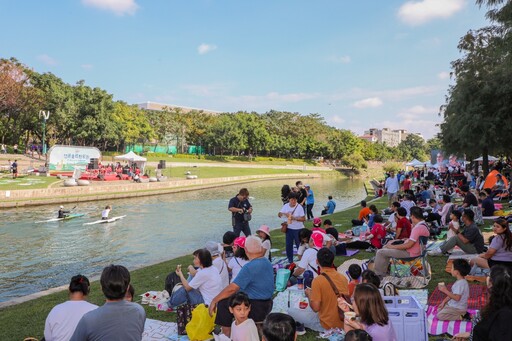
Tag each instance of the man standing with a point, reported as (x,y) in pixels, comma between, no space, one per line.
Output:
(240,209)
(391,187)
(310,202)
(322,297)
(117,319)
(303,194)
(14,168)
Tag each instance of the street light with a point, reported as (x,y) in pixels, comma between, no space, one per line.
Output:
(45,115)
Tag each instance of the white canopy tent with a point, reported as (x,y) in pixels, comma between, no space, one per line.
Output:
(491,158)
(416,163)
(133,158)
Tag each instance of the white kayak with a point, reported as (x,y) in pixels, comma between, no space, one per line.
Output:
(105,221)
(71,216)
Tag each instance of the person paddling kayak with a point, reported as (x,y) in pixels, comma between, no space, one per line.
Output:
(105,212)
(62,212)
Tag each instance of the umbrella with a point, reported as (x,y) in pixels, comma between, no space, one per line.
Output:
(491,158)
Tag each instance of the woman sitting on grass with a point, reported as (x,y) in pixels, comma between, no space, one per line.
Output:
(500,250)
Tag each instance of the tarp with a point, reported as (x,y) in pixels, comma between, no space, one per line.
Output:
(490,180)
(491,158)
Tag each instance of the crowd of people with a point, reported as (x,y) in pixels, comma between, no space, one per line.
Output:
(222,274)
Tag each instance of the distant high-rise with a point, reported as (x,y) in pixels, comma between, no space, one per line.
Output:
(387,136)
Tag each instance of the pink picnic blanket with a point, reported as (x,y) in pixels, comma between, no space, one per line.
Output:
(438,327)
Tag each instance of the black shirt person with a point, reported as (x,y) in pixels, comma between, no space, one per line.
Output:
(62,212)
(239,205)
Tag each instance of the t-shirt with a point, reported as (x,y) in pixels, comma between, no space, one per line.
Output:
(407,184)
(378,231)
(455,225)
(460,287)
(310,198)
(405,225)
(308,261)
(302,194)
(470,199)
(105,212)
(245,331)
(321,291)
(120,320)
(63,319)
(236,264)
(391,184)
(364,212)
(392,220)
(473,234)
(298,211)
(495,327)
(382,333)
(352,286)
(209,283)
(221,266)
(331,206)
(256,279)
(234,202)
(407,204)
(419,230)
(267,246)
(498,244)
(445,212)
(487,207)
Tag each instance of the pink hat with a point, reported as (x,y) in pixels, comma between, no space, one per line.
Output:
(265,229)
(318,239)
(317,222)
(240,242)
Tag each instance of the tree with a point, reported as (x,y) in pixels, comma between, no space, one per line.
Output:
(354,161)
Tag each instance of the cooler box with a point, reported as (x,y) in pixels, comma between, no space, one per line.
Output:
(408,317)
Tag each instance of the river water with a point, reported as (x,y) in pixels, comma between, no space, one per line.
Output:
(39,256)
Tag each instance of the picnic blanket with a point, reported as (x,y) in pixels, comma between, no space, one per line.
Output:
(343,268)
(477,296)
(438,327)
(160,330)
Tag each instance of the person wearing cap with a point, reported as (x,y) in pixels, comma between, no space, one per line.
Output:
(216,250)
(308,260)
(329,207)
(256,279)
(238,206)
(321,296)
(294,213)
(62,213)
(240,258)
(310,202)
(264,233)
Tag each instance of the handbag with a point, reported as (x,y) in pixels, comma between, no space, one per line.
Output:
(284,227)
(247,216)
(341,313)
(184,315)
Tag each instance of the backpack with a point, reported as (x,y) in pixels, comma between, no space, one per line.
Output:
(389,289)
(171,281)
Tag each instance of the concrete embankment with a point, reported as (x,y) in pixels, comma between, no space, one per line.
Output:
(45,196)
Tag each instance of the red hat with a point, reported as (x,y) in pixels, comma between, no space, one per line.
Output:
(318,239)
(240,242)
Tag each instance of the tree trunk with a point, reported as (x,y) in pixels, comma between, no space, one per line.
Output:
(485,161)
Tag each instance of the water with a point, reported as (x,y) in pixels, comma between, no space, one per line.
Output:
(35,257)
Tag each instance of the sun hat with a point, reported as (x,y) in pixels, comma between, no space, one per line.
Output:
(317,222)
(240,242)
(213,247)
(265,229)
(318,239)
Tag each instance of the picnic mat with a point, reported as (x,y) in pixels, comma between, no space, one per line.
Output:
(160,330)
(438,327)
(477,296)
(350,253)
(343,268)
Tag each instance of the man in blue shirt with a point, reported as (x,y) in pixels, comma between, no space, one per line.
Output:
(256,279)
(310,201)
(329,207)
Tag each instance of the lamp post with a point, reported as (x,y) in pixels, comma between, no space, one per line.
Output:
(45,115)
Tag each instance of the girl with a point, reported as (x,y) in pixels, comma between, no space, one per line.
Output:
(304,236)
(243,328)
(240,259)
(369,306)
(454,225)
(264,233)
(500,250)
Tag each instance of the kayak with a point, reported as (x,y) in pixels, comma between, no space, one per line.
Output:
(105,221)
(71,216)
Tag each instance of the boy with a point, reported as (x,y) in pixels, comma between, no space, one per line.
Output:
(354,271)
(454,306)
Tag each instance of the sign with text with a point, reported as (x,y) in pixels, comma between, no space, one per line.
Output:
(65,159)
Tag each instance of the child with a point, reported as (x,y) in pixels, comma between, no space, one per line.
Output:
(227,242)
(304,236)
(240,259)
(354,271)
(358,335)
(243,328)
(377,233)
(454,306)
(279,327)
(454,225)
(264,233)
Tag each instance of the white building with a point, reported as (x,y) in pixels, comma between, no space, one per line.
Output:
(387,136)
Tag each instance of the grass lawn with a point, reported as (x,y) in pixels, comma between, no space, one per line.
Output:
(27,319)
(26,182)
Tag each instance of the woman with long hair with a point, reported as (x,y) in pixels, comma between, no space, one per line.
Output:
(500,249)
(285,192)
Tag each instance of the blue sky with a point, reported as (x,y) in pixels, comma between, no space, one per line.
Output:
(360,64)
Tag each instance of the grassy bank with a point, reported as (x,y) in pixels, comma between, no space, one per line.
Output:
(27,319)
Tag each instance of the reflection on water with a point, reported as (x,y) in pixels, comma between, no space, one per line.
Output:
(35,257)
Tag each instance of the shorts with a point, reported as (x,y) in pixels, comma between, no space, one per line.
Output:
(259,310)
(499,262)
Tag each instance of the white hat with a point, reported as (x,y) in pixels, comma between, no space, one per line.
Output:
(61,206)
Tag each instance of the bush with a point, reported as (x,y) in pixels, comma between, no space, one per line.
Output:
(392,166)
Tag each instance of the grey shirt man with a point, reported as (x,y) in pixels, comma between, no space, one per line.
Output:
(119,320)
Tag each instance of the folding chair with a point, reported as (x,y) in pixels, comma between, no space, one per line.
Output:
(412,269)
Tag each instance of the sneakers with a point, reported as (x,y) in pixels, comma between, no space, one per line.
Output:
(299,328)
(466,317)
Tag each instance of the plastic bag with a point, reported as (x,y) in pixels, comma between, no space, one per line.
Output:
(282,277)
(201,325)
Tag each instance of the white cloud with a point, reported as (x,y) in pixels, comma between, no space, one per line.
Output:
(443,75)
(86,66)
(342,59)
(119,7)
(372,102)
(46,59)
(337,119)
(416,13)
(205,48)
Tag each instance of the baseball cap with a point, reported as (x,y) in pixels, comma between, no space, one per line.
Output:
(213,247)
(307,186)
(240,242)
(318,239)
(317,222)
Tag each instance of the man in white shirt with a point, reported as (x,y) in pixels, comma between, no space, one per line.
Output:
(391,187)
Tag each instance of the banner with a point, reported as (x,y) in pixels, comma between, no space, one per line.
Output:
(65,159)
